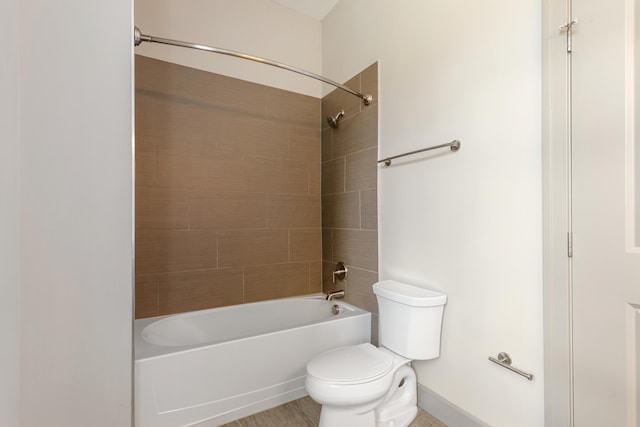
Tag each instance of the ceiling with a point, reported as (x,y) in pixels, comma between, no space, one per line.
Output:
(317,9)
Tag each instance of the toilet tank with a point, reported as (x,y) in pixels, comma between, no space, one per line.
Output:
(410,319)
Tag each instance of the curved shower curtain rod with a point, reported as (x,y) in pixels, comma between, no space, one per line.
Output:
(138,38)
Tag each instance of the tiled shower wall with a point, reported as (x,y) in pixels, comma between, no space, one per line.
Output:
(227,191)
(349,192)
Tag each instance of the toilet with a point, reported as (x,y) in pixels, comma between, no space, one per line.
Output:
(367,386)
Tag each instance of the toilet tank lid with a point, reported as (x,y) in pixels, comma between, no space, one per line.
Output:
(408,294)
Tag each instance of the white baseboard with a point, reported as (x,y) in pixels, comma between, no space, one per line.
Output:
(446,411)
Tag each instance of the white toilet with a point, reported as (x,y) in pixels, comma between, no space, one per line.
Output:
(365,386)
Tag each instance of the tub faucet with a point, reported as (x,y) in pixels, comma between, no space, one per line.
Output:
(334,295)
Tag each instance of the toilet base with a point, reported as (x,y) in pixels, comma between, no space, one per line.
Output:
(335,417)
(400,419)
(400,406)
(397,409)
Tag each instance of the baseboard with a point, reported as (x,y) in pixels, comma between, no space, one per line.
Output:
(446,411)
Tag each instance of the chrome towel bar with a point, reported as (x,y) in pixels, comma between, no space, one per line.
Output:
(504,360)
(454,145)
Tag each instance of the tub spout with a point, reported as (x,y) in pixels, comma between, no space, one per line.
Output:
(334,295)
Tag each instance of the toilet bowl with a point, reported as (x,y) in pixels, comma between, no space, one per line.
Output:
(368,386)
(353,381)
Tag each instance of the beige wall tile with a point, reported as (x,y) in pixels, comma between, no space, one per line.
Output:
(154,75)
(253,247)
(355,140)
(359,290)
(159,251)
(315,177)
(357,133)
(223,171)
(224,143)
(304,144)
(362,170)
(358,248)
(174,121)
(196,85)
(146,161)
(327,244)
(147,106)
(369,209)
(276,281)
(161,208)
(224,210)
(315,277)
(293,211)
(326,144)
(276,175)
(305,244)
(292,108)
(333,176)
(341,210)
(252,136)
(340,100)
(146,296)
(229,94)
(198,290)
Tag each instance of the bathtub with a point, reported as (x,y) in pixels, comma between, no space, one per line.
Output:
(210,367)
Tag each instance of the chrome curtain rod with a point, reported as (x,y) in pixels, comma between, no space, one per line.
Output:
(138,38)
(455,146)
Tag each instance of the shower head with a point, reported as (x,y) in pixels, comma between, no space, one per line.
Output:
(333,121)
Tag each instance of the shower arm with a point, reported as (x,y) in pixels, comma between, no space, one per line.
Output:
(138,38)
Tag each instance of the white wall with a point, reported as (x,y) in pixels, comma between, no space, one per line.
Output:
(9,216)
(76,213)
(469,223)
(257,27)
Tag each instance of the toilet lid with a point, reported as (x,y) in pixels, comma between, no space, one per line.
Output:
(351,364)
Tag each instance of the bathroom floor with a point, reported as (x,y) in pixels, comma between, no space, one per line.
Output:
(306,413)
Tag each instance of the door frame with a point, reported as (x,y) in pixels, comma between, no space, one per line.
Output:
(556,157)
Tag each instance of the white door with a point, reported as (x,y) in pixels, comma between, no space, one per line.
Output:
(606,262)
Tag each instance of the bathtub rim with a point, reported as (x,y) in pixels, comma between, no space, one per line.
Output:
(142,346)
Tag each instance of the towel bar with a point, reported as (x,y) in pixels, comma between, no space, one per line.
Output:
(454,145)
(504,360)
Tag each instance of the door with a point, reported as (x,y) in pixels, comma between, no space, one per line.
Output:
(605,264)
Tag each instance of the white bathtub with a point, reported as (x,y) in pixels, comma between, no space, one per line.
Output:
(210,367)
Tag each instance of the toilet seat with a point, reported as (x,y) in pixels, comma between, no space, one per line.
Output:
(354,376)
(355,364)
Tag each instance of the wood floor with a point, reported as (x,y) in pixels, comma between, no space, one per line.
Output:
(306,413)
